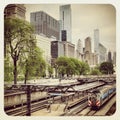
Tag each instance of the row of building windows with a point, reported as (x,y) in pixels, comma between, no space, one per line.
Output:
(46,18)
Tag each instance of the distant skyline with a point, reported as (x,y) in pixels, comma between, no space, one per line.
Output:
(85,18)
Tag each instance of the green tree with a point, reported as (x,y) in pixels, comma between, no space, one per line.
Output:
(33,64)
(106,68)
(19,38)
(8,68)
(61,65)
(71,66)
(84,68)
(95,72)
(77,67)
(50,70)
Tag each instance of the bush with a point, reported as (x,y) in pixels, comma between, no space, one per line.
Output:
(95,72)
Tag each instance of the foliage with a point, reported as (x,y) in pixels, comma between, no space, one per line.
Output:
(50,70)
(84,68)
(61,65)
(33,64)
(95,72)
(106,68)
(71,66)
(19,38)
(8,68)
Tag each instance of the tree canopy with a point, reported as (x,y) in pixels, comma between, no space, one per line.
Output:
(106,68)
(71,66)
(18,39)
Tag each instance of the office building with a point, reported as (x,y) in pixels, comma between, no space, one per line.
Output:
(69,49)
(57,49)
(114,58)
(102,53)
(96,41)
(109,56)
(15,10)
(88,45)
(45,24)
(44,43)
(66,25)
(79,51)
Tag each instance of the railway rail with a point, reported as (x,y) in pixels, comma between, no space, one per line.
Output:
(84,110)
(72,108)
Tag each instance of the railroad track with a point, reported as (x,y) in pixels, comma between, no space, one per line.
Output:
(74,108)
(22,110)
(91,113)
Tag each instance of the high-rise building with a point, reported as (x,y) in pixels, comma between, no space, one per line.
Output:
(15,10)
(102,53)
(57,49)
(45,24)
(114,58)
(96,41)
(88,45)
(79,50)
(65,18)
(69,49)
(44,43)
(109,56)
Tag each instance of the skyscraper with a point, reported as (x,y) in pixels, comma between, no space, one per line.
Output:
(102,53)
(15,10)
(114,58)
(45,24)
(96,41)
(109,56)
(79,50)
(79,46)
(65,18)
(88,45)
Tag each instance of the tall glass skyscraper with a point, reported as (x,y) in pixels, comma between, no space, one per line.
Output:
(65,18)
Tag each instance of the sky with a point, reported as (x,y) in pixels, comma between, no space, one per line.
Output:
(85,18)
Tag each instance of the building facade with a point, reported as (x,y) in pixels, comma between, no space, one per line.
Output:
(45,24)
(15,10)
(69,49)
(66,26)
(102,53)
(96,41)
(44,43)
(114,58)
(79,51)
(57,49)
(109,56)
(88,45)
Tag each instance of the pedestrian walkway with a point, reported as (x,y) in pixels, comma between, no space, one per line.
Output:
(54,110)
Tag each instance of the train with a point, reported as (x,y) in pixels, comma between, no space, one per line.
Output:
(98,97)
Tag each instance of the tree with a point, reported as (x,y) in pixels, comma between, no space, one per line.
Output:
(33,64)
(50,70)
(8,68)
(95,72)
(19,39)
(61,65)
(71,66)
(84,68)
(77,67)
(106,68)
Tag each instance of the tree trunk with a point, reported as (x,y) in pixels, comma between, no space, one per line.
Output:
(15,70)
(26,77)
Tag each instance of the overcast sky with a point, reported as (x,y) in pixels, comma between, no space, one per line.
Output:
(85,18)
